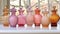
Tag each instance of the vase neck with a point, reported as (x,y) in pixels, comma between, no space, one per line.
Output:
(37,11)
(54,13)
(13,13)
(21,13)
(45,15)
(29,12)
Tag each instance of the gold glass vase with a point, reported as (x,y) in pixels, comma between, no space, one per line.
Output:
(5,16)
(54,18)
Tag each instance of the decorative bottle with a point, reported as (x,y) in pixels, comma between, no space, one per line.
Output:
(5,16)
(21,18)
(54,18)
(45,19)
(37,17)
(13,18)
(29,17)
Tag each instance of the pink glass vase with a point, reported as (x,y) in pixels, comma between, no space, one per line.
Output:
(37,17)
(13,18)
(21,18)
(29,17)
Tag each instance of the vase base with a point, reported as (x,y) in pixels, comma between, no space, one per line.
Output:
(12,26)
(20,25)
(53,24)
(37,24)
(29,24)
(45,26)
(6,25)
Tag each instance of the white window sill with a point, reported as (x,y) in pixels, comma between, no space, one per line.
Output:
(29,30)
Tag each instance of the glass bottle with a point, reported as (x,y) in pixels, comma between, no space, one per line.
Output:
(54,18)
(21,17)
(37,17)
(45,19)
(5,16)
(29,16)
(13,17)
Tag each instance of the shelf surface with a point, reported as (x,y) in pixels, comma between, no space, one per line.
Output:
(29,29)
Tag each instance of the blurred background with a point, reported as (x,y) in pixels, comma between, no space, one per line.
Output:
(40,3)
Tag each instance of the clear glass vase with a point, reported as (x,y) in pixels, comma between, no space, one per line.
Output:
(45,19)
(29,17)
